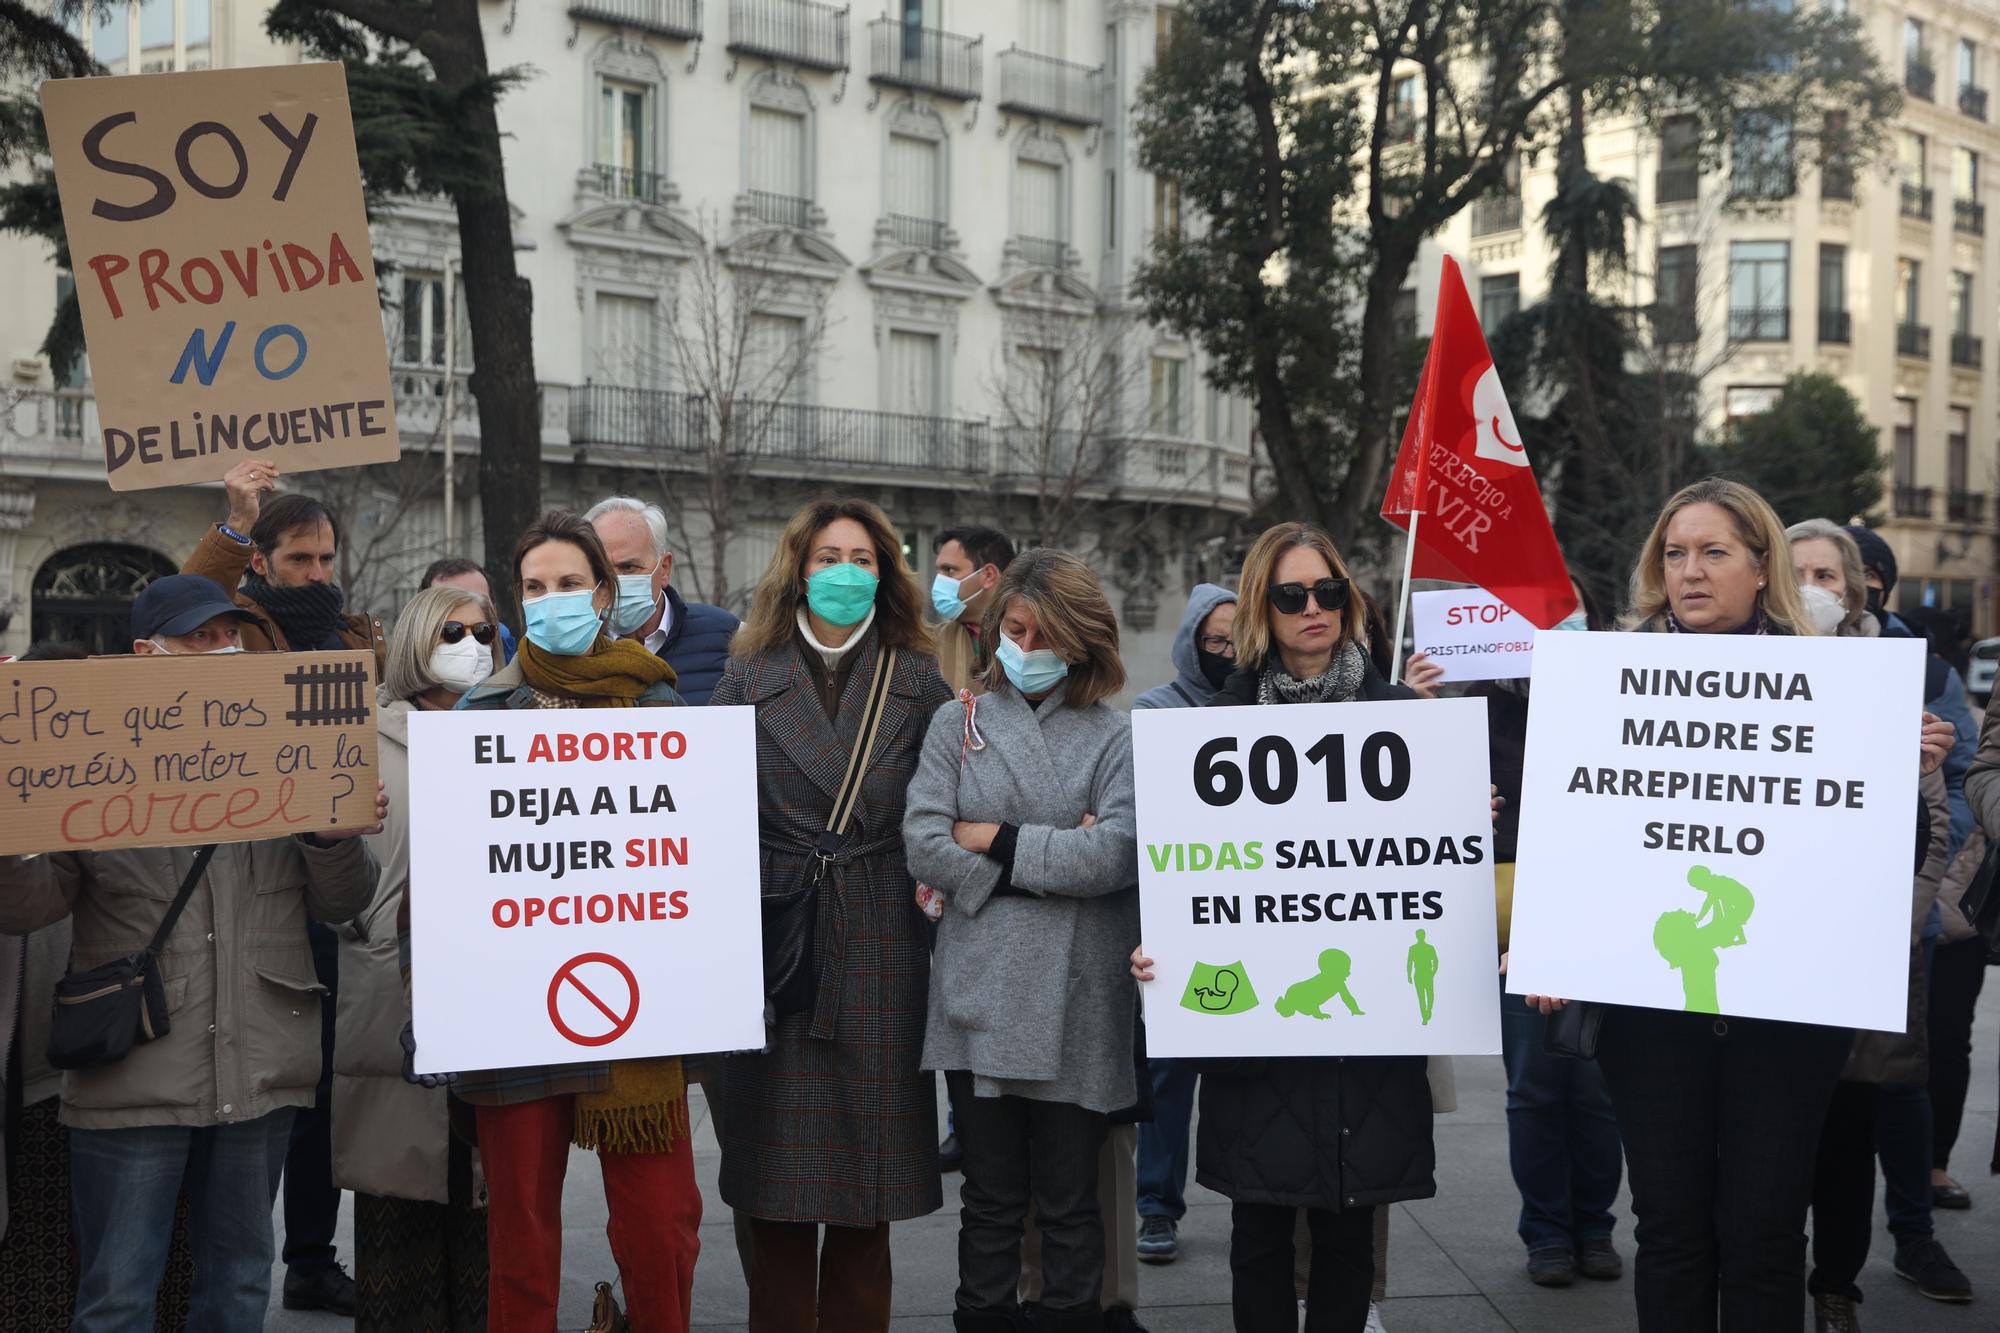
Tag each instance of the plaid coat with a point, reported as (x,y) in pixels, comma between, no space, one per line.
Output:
(835,1122)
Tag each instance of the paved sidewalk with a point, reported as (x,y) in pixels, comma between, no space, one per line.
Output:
(1455,1265)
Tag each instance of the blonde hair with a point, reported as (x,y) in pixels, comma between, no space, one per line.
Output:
(1852,574)
(1757,527)
(408,672)
(1075,618)
(774,607)
(1260,570)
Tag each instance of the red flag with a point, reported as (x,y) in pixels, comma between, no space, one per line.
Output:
(1464,467)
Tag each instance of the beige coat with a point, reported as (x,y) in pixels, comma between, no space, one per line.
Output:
(390,1137)
(241,994)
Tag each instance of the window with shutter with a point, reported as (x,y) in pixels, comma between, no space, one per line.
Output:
(915,387)
(1042,27)
(778,164)
(1038,202)
(625,350)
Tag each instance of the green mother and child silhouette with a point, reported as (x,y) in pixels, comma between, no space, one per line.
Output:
(1227,989)
(1691,941)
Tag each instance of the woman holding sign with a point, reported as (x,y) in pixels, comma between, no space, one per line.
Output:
(632,1112)
(1021,817)
(1336,1137)
(1721,1116)
(834,1125)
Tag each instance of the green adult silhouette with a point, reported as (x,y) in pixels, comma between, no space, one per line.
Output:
(1421,970)
(1306,997)
(1690,941)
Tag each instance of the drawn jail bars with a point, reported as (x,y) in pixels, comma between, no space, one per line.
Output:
(329,694)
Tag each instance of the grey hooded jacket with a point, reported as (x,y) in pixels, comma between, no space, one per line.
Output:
(1189,689)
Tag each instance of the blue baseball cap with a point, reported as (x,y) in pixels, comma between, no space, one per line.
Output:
(180,603)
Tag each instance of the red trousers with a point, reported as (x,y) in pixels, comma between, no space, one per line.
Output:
(655,1210)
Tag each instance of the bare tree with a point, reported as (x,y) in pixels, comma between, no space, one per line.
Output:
(745,331)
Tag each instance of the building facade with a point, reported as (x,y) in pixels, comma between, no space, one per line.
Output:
(1884,278)
(802,246)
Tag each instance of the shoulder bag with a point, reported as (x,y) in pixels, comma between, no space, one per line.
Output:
(790,917)
(102,1013)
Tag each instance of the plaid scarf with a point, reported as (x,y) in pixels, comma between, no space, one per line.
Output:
(1340,682)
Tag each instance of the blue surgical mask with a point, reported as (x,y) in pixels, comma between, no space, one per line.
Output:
(1032,673)
(841,594)
(945,599)
(1574,620)
(563,623)
(636,602)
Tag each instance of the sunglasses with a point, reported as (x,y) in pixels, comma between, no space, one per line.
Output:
(452,631)
(1290,598)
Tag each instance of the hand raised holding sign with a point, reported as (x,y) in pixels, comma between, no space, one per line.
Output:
(1938,738)
(381,813)
(245,484)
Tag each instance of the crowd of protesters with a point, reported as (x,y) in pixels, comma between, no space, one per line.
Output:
(139,1194)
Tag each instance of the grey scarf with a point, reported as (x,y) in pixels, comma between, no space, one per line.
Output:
(1339,683)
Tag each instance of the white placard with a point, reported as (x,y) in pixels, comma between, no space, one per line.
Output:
(1472,634)
(583,886)
(1317,879)
(1721,823)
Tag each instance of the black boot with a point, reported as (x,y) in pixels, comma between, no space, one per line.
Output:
(965,1319)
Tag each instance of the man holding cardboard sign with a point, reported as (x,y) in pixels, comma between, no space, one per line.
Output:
(208,1101)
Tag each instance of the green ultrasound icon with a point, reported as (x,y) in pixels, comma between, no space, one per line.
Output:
(1219,990)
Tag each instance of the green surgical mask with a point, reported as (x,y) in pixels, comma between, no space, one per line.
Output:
(841,594)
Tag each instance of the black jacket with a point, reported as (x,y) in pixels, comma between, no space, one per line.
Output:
(697,646)
(1316,1132)
(1507,755)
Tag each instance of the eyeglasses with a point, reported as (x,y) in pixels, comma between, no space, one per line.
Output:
(452,631)
(1219,644)
(1289,599)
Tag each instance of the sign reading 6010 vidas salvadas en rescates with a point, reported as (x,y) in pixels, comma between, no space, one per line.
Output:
(1317,879)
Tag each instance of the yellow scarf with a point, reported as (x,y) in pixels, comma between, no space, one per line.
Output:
(643,1107)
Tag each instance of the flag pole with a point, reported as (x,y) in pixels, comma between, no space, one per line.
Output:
(1403,602)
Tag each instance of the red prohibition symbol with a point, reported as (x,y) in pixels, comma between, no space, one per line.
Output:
(586,974)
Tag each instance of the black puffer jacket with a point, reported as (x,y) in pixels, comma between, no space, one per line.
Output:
(697,646)
(1316,1132)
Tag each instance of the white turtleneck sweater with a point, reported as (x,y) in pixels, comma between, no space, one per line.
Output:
(832,656)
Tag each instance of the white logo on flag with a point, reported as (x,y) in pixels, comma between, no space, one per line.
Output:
(1498,437)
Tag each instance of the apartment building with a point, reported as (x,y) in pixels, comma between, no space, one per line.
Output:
(948,191)
(1884,278)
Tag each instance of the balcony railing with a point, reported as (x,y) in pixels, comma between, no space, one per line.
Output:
(1496,213)
(1968,216)
(919,233)
(642,418)
(1041,252)
(1917,201)
(1914,340)
(1678,185)
(1761,180)
(1912,501)
(780,210)
(1836,326)
(1972,101)
(1036,85)
(903,55)
(801,31)
(665,18)
(1836,181)
(1968,349)
(625,183)
(1760,324)
(1920,80)
(1968,507)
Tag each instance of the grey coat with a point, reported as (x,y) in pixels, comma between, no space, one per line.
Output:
(1032,992)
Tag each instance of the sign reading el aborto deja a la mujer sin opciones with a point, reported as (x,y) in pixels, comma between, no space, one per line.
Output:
(222,264)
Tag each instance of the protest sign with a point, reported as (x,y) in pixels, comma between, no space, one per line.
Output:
(172,751)
(1317,879)
(1472,634)
(223,269)
(1721,823)
(583,886)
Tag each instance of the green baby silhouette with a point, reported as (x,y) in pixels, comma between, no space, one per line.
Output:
(1219,990)
(1421,970)
(1306,997)
(1690,941)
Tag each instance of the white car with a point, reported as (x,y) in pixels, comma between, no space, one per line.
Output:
(1985,664)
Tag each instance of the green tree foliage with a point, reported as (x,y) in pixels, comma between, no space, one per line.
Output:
(36,44)
(1315,172)
(1812,455)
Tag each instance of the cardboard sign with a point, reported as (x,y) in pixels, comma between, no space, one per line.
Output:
(222,264)
(1472,634)
(1317,879)
(175,751)
(583,886)
(1721,823)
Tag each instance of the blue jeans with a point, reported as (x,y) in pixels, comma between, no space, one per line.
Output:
(1163,1144)
(1562,1136)
(124,1186)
